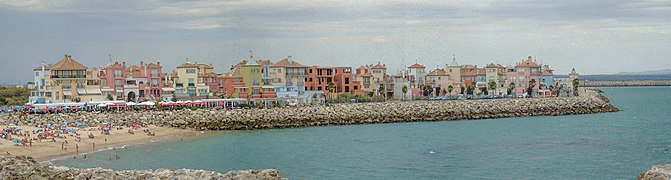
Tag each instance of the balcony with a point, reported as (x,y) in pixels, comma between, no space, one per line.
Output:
(67,76)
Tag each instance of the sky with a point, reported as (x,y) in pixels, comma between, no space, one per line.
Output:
(595,37)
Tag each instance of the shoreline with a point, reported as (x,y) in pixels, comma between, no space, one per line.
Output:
(626,83)
(47,151)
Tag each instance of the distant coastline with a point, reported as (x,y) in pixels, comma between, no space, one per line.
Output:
(628,83)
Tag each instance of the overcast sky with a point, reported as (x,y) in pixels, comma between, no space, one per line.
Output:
(595,37)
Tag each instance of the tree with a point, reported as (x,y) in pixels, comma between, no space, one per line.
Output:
(371,93)
(3,101)
(492,86)
(109,97)
(552,89)
(449,89)
(77,99)
(427,90)
(174,98)
(532,84)
(404,90)
(444,92)
(331,88)
(381,91)
(576,83)
(462,89)
(511,88)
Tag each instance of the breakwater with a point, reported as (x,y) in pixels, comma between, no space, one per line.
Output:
(25,167)
(657,172)
(590,101)
(625,83)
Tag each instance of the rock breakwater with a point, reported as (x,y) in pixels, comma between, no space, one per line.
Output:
(25,167)
(624,83)
(590,101)
(657,172)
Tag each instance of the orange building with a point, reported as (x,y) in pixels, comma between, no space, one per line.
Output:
(319,78)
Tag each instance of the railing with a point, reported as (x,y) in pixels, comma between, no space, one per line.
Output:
(68,76)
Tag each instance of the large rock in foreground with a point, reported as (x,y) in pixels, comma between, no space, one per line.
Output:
(657,172)
(25,167)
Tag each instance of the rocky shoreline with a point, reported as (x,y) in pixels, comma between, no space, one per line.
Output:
(657,172)
(590,101)
(25,167)
(624,83)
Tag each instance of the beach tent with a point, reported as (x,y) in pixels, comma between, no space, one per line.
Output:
(72,130)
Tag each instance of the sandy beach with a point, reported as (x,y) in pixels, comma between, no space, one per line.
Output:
(47,150)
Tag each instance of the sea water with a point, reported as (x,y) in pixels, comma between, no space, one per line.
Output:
(617,145)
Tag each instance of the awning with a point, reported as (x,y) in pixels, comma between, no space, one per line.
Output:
(168,89)
(80,91)
(67,93)
(93,91)
(107,90)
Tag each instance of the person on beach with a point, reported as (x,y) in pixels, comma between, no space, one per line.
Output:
(105,140)
(77,148)
(62,146)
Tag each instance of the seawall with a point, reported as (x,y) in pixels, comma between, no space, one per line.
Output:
(590,101)
(625,83)
(25,167)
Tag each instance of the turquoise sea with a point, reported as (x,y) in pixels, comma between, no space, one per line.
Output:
(597,146)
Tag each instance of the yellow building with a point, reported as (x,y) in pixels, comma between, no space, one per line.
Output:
(188,84)
(70,81)
(252,76)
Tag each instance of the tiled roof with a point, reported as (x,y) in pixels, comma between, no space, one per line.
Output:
(286,63)
(492,65)
(528,63)
(482,71)
(365,75)
(188,65)
(68,64)
(153,65)
(263,62)
(416,66)
(438,72)
(206,66)
(379,66)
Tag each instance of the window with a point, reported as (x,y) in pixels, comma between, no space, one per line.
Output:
(190,80)
(346,80)
(154,73)
(103,82)
(255,82)
(310,72)
(154,83)
(37,74)
(117,73)
(190,71)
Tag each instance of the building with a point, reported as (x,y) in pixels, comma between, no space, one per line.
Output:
(547,78)
(454,71)
(70,81)
(468,75)
(288,77)
(41,91)
(417,73)
(134,83)
(252,77)
(371,77)
(523,74)
(318,79)
(439,80)
(188,81)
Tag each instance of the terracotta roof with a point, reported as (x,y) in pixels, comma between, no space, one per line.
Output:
(482,71)
(188,65)
(492,65)
(206,66)
(379,66)
(528,63)
(68,64)
(437,72)
(416,66)
(286,63)
(362,67)
(263,62)
(153,65)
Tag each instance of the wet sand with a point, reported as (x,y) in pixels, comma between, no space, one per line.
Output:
(48,150)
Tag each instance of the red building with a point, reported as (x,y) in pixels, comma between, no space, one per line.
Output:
(319,77)
(134,83)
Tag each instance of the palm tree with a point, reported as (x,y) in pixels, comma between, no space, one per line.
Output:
(331,88)
(492,86)
(381,91)
(427,90)
(532,84)
(511,88)
(404,90)
(449,89)
(576,83)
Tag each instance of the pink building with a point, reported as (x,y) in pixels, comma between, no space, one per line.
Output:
(133,83)
(522,74)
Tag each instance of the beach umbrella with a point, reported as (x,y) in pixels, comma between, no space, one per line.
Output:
(66,107)
(44,109)
(52,107)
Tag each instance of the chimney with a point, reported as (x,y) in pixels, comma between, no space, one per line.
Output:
(124,64)
(159,63)
(141,63)
(66,56)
